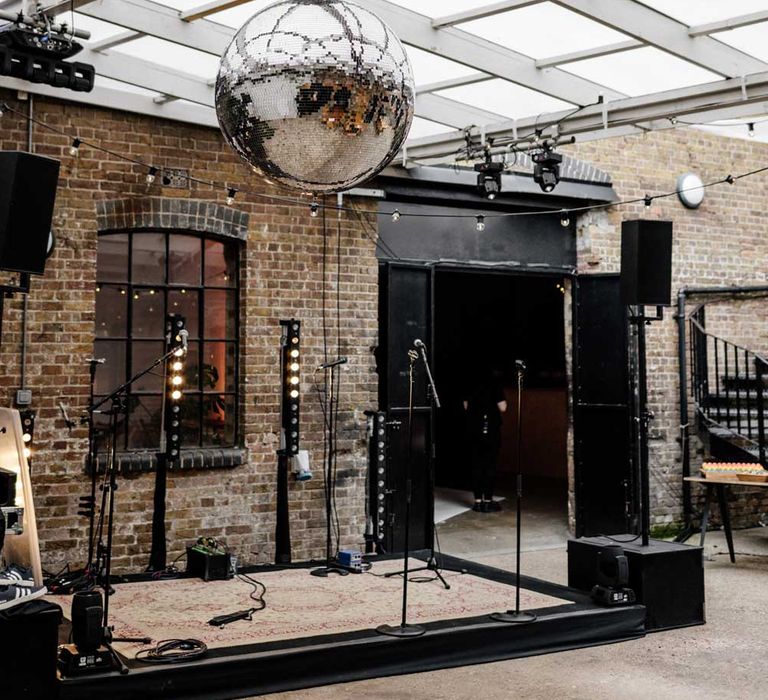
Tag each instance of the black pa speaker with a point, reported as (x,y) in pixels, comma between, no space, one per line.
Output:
(87,614)
(27,195)
(646,262)
(7,487)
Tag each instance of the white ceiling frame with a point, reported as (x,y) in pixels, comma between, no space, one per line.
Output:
(112,41)
(659,30)
(481,12)
(473,51)
(209,8)
(709,101)
(452,83)
(64,6)
(443,110)
(597,52)
(726,24)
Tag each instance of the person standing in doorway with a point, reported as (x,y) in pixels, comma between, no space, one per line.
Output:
(484,403)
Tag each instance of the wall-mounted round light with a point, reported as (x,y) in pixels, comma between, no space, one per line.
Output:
(690,190)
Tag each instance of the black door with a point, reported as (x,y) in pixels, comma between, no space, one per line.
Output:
(602,408)
(405,307)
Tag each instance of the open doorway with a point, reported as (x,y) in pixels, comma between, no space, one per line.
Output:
(491,319)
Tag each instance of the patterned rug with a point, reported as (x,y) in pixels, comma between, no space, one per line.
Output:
(298,605)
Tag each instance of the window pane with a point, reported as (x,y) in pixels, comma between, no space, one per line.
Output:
(219,367)
(111,374)
(218,420)
(144,353)
(187,303)
(190,421)
(144,422)
(148,320)
(184,259)
(220,264)
(148,265)
(220,319)
(103,430)
(112,258)
(111,311)
(192,368)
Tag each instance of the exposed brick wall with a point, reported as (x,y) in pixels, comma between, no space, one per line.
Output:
(724,242)
(281,277)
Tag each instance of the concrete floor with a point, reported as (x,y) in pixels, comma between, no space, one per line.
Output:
(724,659)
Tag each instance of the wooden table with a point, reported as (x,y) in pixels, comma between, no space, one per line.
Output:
(716,486)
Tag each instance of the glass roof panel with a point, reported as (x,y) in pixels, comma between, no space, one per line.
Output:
(704,11)
(641,71)
(99,30)
(543,30)
(425,127)
(440,8)
(165,53)
(429,68)
(752,39)
(101,81)
(505,98)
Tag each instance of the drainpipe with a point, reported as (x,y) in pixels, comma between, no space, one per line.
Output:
(25,302)
(685,434)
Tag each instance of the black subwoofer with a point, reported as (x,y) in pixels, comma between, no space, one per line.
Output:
(27,196)
(646,262)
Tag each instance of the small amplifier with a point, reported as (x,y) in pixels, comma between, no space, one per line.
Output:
(75,663)
(209,565)
(351,559)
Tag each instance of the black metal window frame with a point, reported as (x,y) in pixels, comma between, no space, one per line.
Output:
(201,340)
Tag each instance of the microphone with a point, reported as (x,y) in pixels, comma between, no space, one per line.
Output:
(184,336)
(335,363)
(418,343)
(519,364)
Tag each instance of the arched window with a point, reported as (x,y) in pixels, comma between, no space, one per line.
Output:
(141,277)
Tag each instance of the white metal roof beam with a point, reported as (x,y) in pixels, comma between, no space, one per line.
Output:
(481,12)
(116,40)
(726,24)
(596,52)
(655,28)
(64,5)
(452,83)
(209,8)
(711,98)
(452,113)
(470,50)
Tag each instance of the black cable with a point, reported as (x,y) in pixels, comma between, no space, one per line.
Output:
(258,592)
(172,651)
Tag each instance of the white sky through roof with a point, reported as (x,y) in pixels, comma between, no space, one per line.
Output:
(539,31)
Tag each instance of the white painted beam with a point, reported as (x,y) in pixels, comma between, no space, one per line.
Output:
(452,113)
(116,40)
(53,8)
(711,99)
(496,8)
(726,24)
(596,52)
(209,8)
(452,83)
(654,28)
(486,56)
(108,98)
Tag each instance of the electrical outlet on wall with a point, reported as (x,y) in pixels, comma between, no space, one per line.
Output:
(23,397)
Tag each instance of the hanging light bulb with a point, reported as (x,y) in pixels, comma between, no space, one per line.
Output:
(565,219)
(231,192)
(480,222)
(730,179)
(648,200)
(751,130)
(313,209)
(74,149)
(151,175)
(395,216)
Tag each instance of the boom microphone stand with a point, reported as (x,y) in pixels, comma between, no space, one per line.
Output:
(516,615)
(404,629)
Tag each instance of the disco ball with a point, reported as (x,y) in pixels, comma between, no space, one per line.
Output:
(316,94)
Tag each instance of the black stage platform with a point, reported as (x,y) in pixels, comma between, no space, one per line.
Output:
(292,664)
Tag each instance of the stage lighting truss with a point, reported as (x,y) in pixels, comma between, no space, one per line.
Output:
(291,378)
(546,169)
(489,178)
(177,347)
(27,431)
(378,510)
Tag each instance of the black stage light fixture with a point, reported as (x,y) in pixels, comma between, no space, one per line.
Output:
(612,577)
(489,178)
(546,169)
(291,394)
(176,339)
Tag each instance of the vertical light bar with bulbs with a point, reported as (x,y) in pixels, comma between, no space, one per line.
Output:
(176,335)
(291,362)
(27,431)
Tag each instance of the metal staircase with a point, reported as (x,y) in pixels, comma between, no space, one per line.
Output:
(730,392)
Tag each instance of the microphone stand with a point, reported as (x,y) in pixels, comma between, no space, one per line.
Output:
(431,564)
(516,615)
(404,629)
